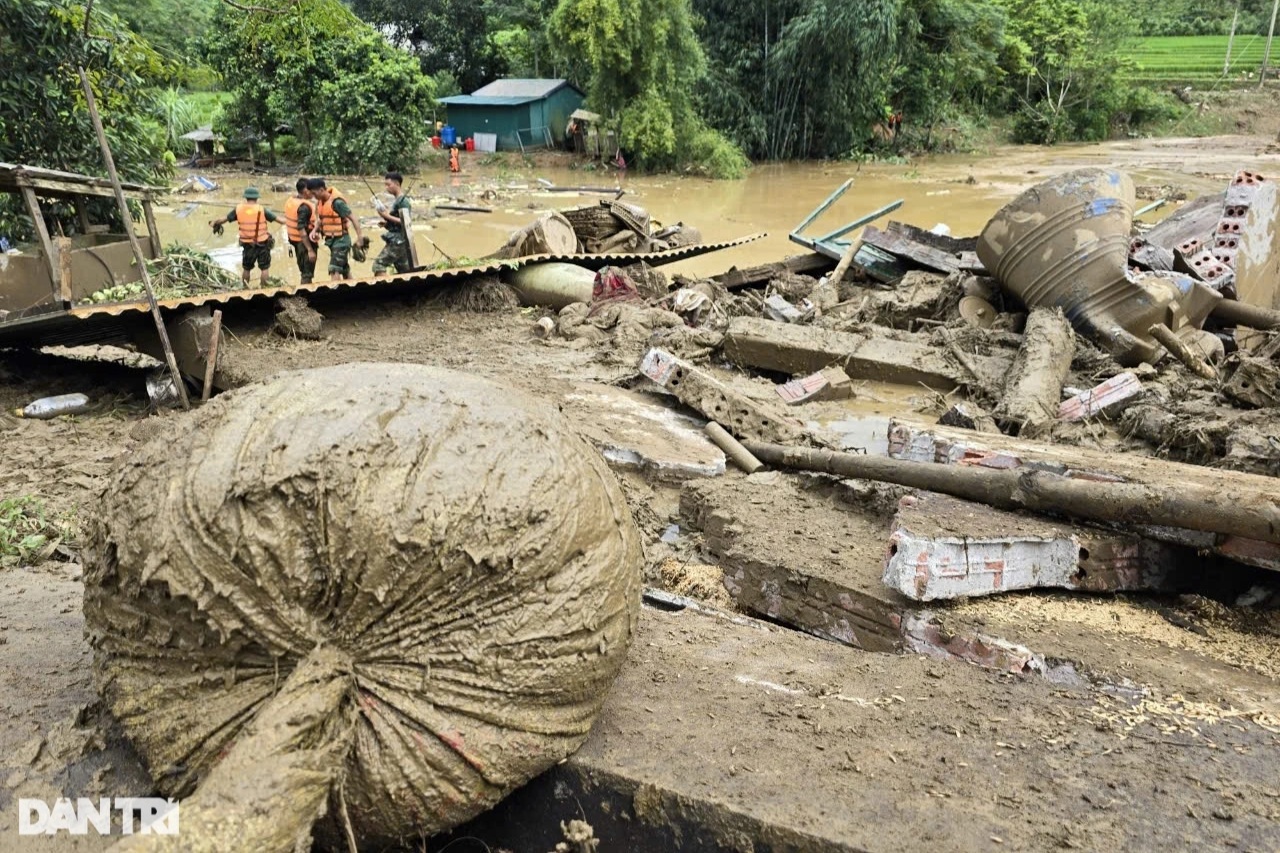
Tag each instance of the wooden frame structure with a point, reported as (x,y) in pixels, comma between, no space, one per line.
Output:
(34,183)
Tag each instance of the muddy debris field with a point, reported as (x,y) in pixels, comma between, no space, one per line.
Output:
(908,540)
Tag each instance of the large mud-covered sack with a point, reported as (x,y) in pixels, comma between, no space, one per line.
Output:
(432,565)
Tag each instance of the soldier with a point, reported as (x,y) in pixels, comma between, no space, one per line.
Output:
(396,252)
(333,216)
(255,236)
(299,212)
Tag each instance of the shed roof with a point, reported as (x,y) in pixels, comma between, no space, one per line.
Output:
(203,133)
(484,101)
(523,87)
(50,182)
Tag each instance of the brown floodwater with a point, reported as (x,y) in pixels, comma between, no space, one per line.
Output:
(960,191)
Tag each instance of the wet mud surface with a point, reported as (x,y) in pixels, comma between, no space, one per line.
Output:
(1160,731)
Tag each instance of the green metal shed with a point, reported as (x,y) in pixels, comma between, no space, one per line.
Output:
(522,113)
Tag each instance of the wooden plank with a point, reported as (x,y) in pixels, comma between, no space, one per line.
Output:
(407,220)
(153,233)
(822,208)
(83,215)
(64,269)
(60,189)
(860,221)
(46,244)
(798,264)
(918,253)
(944,242)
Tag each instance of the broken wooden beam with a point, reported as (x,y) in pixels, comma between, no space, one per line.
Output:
(898,357)
(808,264)
(1033,389)
(903,246)
(940,445)
(1254,515)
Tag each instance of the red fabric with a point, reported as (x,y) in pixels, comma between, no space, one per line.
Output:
(612,285)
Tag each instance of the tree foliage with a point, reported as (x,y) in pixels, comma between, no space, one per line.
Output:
(445,35)
(1066,55)
(643,60)
(44,119)
(353,100)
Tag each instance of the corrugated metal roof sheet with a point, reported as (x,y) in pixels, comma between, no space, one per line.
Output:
(117,320)
(520,87)
(475,101)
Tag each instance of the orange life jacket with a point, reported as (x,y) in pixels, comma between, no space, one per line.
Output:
(331,224)
(291,207)
(252,219)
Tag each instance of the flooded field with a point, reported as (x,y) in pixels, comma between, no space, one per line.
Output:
(961,191)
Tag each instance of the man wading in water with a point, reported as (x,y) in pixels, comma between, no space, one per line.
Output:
(255,236)
(333,217)
(396,252)
(299,213)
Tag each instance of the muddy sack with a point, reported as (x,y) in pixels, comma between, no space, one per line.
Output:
(371,598)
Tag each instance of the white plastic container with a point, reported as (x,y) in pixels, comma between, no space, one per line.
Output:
(53,407)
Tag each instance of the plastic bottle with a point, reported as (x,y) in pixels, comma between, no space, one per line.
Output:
(52,407)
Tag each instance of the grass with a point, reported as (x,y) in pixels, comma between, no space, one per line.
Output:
(25,532)
(1195,59)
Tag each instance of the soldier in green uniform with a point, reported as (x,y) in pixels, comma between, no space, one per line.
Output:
(396,252)
(333,222)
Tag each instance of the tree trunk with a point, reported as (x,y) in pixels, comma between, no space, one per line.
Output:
(1245,512)
(1033,389)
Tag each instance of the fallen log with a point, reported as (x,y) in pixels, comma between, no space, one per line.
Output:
(1255,516)
(549,234)
(465,208)
(810,264)
(1033,389)
(1243,314)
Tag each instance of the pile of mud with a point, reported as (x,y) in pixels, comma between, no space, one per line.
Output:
(388,594)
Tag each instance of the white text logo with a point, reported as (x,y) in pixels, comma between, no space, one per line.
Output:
(140,815)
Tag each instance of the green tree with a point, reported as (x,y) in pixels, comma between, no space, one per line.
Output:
(1066,55)
(643,62)
(833,66)
(43,117)
(949,59)
(445,35)
(352,100)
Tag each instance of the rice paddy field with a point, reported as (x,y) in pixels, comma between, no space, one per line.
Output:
(1198,60)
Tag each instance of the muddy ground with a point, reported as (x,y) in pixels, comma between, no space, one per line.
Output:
(1168,737)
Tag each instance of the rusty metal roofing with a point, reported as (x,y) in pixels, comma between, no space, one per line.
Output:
(100,323)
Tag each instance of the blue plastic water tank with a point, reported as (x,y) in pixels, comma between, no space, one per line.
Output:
(448,136)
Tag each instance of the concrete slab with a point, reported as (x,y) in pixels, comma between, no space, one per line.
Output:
(721,737)
(634,430)
(898,357)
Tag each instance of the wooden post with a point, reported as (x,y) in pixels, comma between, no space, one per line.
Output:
(64,268)
(211,357)
(82,215)
(46,244)
(1245,511)
(1271,34)
(407,220)
(153,233)
(1194,362)
(1231,40)
(846,261)
(133,237)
